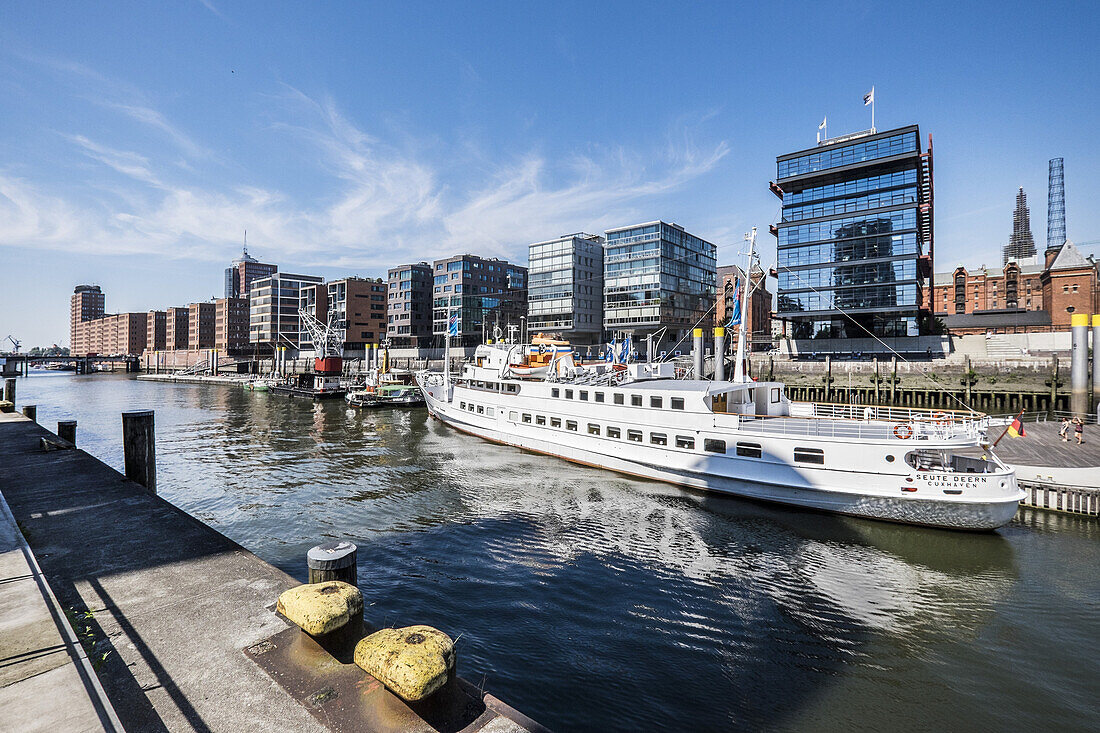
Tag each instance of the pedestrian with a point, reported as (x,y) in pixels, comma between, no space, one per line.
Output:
(1079,428)
(1064,431)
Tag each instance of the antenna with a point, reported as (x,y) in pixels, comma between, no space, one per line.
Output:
(246,241)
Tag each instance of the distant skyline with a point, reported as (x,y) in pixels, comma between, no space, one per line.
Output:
(140,140)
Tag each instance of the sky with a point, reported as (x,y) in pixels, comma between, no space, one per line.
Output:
(138,141)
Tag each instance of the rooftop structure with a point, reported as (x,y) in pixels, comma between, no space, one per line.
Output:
(1056,205)
(1021,245)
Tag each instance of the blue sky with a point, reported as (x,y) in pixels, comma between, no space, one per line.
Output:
(139,140)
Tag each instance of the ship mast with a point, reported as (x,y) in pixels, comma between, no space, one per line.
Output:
(739,365)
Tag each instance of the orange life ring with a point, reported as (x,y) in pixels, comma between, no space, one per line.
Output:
(903,432)
(940,418)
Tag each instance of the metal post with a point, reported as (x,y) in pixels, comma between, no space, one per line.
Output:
(719,354)
(332,561)
(1079,364)
(1096,363)
(697,351)
(9,390)
(31,412)
(66,430)
(828,379)
(139,448)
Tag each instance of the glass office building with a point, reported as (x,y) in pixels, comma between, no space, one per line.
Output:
(855,238)
(565,287)
(488,296)
(658,275)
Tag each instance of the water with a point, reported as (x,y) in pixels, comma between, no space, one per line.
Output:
(594,602)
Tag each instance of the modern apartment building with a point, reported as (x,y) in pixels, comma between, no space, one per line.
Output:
(565,287)
(488,295)
(360,308)
(176,326)
(273,309)
(758,319)
(86,304)
(200,326)
(242,272)
(156,330)
(230,324)
(657,275)
(855,237)
(409,305)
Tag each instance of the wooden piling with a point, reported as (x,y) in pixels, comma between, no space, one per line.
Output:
(332,561)
(31,412)
(66,430)
(9,390)
(139,448)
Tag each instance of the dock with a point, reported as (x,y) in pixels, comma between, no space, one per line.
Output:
(1054,475)
(179,619)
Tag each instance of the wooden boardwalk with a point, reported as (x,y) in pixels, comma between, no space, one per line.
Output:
(1041,446)
(1054,475)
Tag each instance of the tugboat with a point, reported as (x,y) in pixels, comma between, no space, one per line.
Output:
(381,387)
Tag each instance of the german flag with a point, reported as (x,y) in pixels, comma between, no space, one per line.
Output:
(1016,429)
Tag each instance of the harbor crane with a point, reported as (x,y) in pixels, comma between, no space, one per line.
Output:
(14,342)
(326,342)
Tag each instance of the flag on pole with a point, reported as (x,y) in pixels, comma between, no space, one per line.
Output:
(823,121)
(735,314)
(1016,429)
(452,325)
(869,97)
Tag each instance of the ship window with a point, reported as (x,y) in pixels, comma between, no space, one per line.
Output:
(599,397)
(676,403)
(614,433)
(526,417)
(489,411)
(555,392)
(635,400)
(513,388)
(809,455)
(775,394)
(618,398)
(462,405)
(635,435)
(470,407)
(683,441)
(540,419)
(570,424)
(655,401)
(658,439)
(555,422)
(513,416)
(749,450)
(584,395)
(593,429)
(480,410)
(568,394)
(714,446)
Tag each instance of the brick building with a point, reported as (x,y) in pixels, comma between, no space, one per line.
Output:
(242,271)
(114,333)
(86,304)
(176,328)
(200,326)
(759,316)
(230,324)
(155,330)
(360,307)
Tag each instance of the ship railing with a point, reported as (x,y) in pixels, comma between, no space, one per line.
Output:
(884,427)
(890,414)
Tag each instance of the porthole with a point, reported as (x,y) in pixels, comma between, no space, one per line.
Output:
(889,459)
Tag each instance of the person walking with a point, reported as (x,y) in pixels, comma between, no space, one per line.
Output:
(1064,431)
(1079,429)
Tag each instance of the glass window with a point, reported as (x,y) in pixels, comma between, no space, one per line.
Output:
(714,446)
(655,401)
(593,429)
(555,392)
(749,450)
(599,397)
(636,400)
(570,424)
(513,415)
(584,395)
(618,400)
(568,394)
(614,433)
(462,405)
(775,394)
(658,439)
(540,419)
(634,435)
(676,403)
(526,417)
(555,422)
(684,441)
(809,455)
(480,410)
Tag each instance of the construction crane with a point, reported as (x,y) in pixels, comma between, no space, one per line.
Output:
(326,342)
(14,342)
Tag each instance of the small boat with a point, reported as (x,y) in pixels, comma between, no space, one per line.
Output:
(261,384)
(391,395)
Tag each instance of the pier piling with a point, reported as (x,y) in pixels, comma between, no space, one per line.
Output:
(697,351)
(66,430)
(139,448)
(720,354)
(1096,363)
(31,412)
(1079,364)
(9,390)
(333,561)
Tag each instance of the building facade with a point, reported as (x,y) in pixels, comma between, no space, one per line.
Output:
(242,272)
(758,319)
(565,287)
(176,336)
(115,333)
(156,328)
(488,296)
(86,304)
(273,309)
(855,239)
(200,326)
(359,305)
(409,306)
(657,275)
(231,325)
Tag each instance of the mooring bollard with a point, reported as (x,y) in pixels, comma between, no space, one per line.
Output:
(31,412)
(9,390)
(332,561)
(66,430)
(139,449)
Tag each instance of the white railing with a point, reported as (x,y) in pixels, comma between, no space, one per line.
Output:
(886,426)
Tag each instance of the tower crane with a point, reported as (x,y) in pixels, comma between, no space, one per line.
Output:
(14,342)
(326,341)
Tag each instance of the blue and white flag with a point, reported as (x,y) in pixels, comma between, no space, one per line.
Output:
(624,354)
(452,325)
(735,314)
(609,354)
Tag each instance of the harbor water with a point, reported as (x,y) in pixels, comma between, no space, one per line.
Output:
(593,602)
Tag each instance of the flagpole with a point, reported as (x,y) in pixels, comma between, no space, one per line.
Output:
(998,440)
(447,353)
(739,366)
(872,108)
